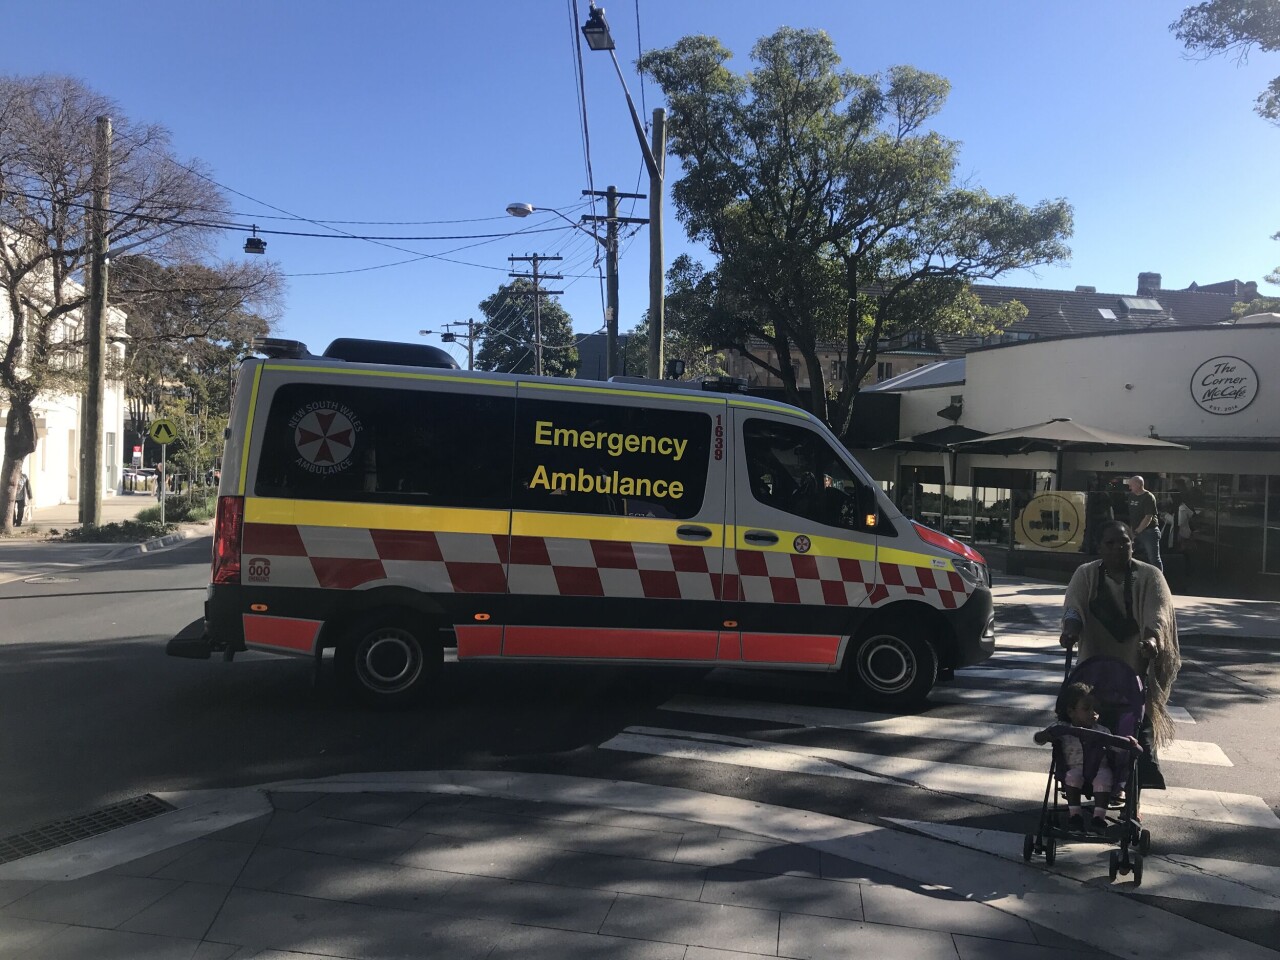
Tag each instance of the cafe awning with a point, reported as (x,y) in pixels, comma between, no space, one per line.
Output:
(935,441)
(1061,435)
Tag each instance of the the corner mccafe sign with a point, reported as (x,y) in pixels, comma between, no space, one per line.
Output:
(1224,385)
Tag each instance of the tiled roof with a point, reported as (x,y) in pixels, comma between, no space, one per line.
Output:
(1057,313)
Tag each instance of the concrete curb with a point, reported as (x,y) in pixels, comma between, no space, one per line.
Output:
(1085,911)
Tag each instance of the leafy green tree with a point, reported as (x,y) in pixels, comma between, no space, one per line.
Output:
(831,207)
(188,326)
(1234,28)
(507,335)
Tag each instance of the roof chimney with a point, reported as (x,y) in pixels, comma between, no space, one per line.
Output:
(1148,284)
(1083,289)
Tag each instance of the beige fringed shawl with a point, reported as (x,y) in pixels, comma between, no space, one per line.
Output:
(1152,608)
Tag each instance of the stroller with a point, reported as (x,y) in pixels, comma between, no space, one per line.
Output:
(1122,697)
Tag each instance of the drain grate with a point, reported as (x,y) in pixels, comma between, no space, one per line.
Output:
(50,836)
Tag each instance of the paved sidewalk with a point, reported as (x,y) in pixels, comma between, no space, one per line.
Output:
(460,865)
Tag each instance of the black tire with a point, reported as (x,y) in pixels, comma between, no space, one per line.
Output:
(1113,866)
(389,660)
(1050,851)
(1144,842)
(892,664)
(1137,869)
(1028,847)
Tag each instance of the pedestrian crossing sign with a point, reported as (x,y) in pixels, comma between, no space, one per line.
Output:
(164,430)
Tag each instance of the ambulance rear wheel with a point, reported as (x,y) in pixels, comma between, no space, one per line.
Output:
(892,665)
(388,662)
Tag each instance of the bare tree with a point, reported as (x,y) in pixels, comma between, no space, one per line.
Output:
(158,206)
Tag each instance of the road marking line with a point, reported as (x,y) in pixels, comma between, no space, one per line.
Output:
(927,728)
(1018,701)
(950,778)
(1227,883)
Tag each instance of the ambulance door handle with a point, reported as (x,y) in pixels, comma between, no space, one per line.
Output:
(761,537)
(690,532)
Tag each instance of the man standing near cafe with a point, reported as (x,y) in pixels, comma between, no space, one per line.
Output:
(1144,522)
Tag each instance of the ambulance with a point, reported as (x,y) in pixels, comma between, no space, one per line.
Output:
(382,507)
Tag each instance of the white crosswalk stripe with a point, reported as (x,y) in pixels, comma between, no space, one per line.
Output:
(1019,683)
(929,728)
(948,778)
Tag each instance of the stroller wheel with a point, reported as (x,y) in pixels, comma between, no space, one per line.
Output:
(1028,846)
(1144,842)
(1137,869)
(1113,867)
(1050,851)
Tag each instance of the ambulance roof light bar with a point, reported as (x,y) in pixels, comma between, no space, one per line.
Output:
(276,348)
(725,384)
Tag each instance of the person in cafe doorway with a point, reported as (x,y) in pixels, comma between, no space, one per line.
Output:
(1144,521)
(1121,607)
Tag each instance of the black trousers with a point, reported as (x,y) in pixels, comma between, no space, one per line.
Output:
(19,512)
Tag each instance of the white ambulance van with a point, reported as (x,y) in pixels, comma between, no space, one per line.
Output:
(378,501)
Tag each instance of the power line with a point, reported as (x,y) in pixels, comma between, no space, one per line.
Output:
(247,227)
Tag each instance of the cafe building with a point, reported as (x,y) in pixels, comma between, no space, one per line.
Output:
(1022,448)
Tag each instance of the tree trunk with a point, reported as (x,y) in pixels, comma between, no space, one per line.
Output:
(19,443)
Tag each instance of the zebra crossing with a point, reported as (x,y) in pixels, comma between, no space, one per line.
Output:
(1018,685)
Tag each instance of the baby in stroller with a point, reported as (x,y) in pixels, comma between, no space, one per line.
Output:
(1102,695)
(1078,707)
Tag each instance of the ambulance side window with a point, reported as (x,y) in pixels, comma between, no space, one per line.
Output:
(370,444)
(793,469)
(597,458)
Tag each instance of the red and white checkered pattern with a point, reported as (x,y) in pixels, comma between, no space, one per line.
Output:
(349,557)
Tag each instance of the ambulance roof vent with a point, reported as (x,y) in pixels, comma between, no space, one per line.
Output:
(390,353)
(275,348)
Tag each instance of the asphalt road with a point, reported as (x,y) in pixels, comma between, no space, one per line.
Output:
(93,712)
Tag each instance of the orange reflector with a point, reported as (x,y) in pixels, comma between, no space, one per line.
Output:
(482,616)
(731,623)
(258,607)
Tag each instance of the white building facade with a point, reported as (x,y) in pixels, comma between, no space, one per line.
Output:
(54,467)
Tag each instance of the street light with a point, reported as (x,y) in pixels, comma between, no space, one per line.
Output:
(610,244)
(598,37)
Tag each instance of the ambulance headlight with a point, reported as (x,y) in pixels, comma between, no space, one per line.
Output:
(972,572)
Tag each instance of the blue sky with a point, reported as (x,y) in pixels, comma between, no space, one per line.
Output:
(391,110)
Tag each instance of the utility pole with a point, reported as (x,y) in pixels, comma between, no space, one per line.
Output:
(538,293)
(611,221)
(90,509)
(657,297)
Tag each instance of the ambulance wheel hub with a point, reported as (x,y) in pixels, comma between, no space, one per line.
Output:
(886,664)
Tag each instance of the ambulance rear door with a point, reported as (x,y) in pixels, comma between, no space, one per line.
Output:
(804,547)
(618,525)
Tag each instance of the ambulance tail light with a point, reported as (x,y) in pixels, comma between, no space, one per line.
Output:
(228,536)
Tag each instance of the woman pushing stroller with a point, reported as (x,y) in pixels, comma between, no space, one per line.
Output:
(1121,607)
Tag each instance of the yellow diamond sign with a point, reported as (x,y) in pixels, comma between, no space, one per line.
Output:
(164,430)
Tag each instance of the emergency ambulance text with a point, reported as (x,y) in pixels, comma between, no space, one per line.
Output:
(612,483)
(547,434)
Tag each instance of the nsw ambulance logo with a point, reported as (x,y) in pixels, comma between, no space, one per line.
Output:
(325,436)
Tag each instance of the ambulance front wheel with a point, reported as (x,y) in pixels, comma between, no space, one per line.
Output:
(892,664)
(389,661)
